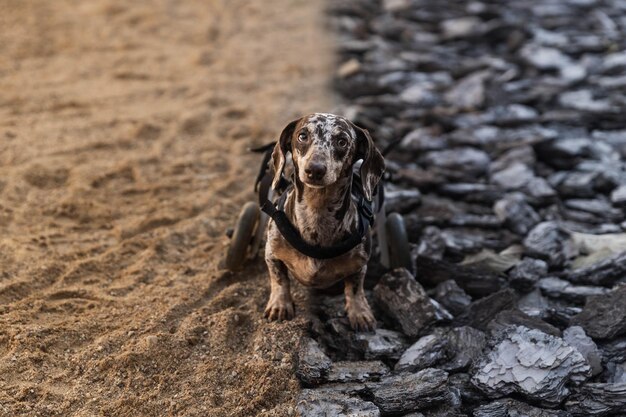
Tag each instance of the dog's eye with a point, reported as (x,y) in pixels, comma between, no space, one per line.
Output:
(302,136)
(342,143)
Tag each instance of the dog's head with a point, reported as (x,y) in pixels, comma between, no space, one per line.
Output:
(323,148)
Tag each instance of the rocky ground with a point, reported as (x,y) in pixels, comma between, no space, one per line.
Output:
(123,134)
(510,175)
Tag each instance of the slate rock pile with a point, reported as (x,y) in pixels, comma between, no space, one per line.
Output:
(508,127)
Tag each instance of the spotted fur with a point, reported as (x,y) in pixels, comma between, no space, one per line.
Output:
(322,210)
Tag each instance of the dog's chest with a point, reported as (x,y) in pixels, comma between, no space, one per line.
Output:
(322,273)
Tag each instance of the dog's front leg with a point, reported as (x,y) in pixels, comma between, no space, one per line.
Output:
(280,305)
(359,312)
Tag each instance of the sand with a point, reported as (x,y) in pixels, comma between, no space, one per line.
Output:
(123,135)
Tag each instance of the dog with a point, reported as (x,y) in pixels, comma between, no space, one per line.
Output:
(324,148)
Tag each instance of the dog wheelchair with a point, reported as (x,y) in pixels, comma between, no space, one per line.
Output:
(249,232)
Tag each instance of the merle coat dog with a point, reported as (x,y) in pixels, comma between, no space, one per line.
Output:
(324,148)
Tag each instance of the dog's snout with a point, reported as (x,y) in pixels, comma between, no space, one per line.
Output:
(315,171)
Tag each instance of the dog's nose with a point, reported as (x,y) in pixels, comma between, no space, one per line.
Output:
(315,171)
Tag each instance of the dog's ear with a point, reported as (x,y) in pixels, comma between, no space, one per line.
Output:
(279,154)
(373,165)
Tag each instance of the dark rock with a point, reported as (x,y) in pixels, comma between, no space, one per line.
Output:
(452,350)
(525,275)
(532,364)
(407,392)
(431,243)
(482,311)
(404,300)
(605,272)
(513,177)
(458,163)
(465,346)
(495,262)
(583,100)
(513,408)
(401,201)
(558,288)
(516,317)
(468,93)
(618,196)
(481,193)
(314,403)
(561,316)
(575,336)
(534,303)
(313,365)
(452,297)
(565,152)
(475,220)
(474,281)
(604,316)
(462,383)
(550,242)
(598,400)
(461,241)
(615,350)
(598,207)
(523,155)
(616,373)
(356,371)
(539,191)
(574,184)
(381,344)
(427,352)
(516,213)
(460,27)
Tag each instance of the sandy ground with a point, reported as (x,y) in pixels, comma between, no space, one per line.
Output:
(123,130)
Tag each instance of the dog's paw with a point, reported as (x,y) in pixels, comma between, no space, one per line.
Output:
(361,317)
(279,309)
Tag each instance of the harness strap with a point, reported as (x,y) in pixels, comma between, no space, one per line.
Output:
(289,231)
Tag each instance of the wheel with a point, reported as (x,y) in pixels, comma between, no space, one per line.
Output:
(398,243)
(242,236)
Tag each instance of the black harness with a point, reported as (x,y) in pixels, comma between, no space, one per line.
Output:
(289,231)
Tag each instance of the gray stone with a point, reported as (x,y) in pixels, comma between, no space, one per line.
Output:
(458,162)
(465,347)
(616,373)
(618,196)
(381,344)
(314,403)
(404,300)
(533,364)
(431,243)
(575,336)
(469,92)
(525,275)
(408,392)
(475,281)
(517,317)
(598,400)
(513,408)
(606,271)
(482,311)
(356,371)
(427,352)
(561,289)
(312,364)
(452,297)
(550,242)
(604,316)
(513,177)
(516,213)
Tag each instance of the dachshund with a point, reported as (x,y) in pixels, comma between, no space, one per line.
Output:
(324,149)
